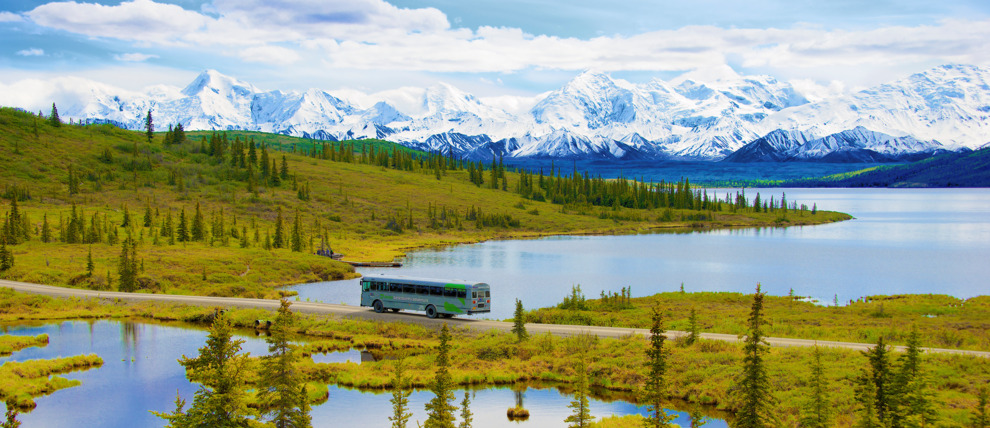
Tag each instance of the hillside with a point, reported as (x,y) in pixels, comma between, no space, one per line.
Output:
(968,169)
(82,189)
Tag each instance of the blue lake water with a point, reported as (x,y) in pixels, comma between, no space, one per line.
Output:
(140,373)
(901,241)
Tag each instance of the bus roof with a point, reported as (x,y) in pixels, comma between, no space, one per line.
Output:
(423,281)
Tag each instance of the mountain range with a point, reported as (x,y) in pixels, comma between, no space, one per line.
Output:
(727,117)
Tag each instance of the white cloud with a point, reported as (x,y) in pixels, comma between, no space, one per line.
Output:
(269,55)
(10,17)
(31,52)
(134,57)
(376,35)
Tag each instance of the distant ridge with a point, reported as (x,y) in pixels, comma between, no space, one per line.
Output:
(967,169)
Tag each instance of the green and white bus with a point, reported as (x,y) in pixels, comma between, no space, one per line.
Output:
(436,297)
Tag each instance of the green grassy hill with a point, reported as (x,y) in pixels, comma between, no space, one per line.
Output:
(371,200)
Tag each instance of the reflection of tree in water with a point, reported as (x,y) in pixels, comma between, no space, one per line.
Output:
(520,394)
(129,338)
(518,413)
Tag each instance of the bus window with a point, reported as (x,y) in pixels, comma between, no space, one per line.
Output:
(436,291)
(449,292)
(488,293)
(408,288)
(461,293)
(395,288)
(365,286)
(422,289)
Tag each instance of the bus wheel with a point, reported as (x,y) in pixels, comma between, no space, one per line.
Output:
(379,307)
(431,311)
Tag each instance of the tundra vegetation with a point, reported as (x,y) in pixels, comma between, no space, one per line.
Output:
(701,376)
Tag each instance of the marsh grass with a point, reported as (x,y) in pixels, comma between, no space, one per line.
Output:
(943,321)
(698,374)
(21,382)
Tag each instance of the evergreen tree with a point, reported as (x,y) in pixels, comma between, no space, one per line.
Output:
(147,215)
(519,323)
(182,231)
(466,415)
(197,232)
(400,396)
(817,412)
(880,375)
(655,390)
(73,181)
(913,401)
(693,328)
(6,256)
(220,400)
(126,222)
(279,231)
(284,171)
(440,411)
(981,418)
(866,395)
(127,266)
(580,416)
(281,388)
(53,119)
(46,230)
(296,235)
(149,126)
(754,390)
(89,263)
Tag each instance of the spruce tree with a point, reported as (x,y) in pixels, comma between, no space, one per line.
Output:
(281,388)
(880,375)
(519,322)
(127,266)
(182,231)
(53,119)
(279,231)
(817,412)
(284,171)
(981,416)
(655,390)
(6,256)
(753,390)
(296,235)
(466,415)
(46,230)
(866,395)
(580,416)
(400,396)
(913,401)
(440,411)
(221,400)
(693,328)
(11,416)
(89,263)
(197,232)
(149,127)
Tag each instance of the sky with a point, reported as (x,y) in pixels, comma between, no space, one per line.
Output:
(487,47)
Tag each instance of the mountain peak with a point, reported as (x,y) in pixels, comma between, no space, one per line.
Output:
(718,73)
(218,83)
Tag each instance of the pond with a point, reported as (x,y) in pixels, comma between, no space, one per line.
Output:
(901,241)
(140,373)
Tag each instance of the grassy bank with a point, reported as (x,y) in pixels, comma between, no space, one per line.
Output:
(943,321)
(699,374)
(82,189)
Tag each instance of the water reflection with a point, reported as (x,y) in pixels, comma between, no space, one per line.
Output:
(140,373)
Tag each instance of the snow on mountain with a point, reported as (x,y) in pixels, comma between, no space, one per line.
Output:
(855,145)
(705,114)
(950,104)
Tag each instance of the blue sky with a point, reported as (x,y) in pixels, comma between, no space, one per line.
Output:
(489,47)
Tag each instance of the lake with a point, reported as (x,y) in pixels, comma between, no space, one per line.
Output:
(140,373)
(901,241)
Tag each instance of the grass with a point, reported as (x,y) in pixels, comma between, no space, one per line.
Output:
(21,382)
(698,375)
(10,344)
(943,321)
(349,204)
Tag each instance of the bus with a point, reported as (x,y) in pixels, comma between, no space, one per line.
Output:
(436,297)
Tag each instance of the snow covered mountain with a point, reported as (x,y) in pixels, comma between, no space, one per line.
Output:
(710,115)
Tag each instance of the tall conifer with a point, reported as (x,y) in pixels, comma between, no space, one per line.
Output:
(753,389)
(440,410)
(281,389)
(655,390)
